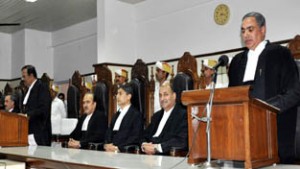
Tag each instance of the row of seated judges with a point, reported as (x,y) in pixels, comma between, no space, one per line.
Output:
(168,127)
(126,128)
(127,125)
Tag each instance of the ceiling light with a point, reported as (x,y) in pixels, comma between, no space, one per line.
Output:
(30,0)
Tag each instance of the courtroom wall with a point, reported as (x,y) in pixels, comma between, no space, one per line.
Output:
(30,47)
(5,55)
(17,53)
(116,32)
(74,48)
(165,29)
(38,51)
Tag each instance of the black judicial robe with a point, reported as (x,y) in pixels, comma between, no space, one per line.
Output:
(130,131)
(38,110)
(174,133)
(95,130)
(276,74)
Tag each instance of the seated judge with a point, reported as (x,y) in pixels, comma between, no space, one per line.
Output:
(168,127)
(126,125)
(10,103)
(91,126)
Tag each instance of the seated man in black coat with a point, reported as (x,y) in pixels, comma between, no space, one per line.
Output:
(168,127)
(126,125)
(91,126)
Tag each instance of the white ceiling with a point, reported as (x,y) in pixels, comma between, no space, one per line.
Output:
(45,15)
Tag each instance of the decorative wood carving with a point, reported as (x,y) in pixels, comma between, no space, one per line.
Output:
(76,79)
(46,79)
(188,64)
(294,46)
(140,70)
(151,94)
(8,89)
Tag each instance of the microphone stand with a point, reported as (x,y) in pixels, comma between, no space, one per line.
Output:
(208,164)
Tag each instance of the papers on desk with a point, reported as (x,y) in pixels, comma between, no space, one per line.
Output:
(9,164)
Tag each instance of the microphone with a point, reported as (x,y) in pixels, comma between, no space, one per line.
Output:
(223,61)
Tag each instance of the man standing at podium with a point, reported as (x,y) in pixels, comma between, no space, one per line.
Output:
(272,72)
(37,104)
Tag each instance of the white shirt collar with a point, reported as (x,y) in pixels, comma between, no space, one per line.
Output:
(28,92)
(252,60)
(163,122)
(119,120)
(260,47)
(86,121)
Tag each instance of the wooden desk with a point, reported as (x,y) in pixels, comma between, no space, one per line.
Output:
(60,158)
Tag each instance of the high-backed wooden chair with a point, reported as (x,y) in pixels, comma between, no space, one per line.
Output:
(294,46)
(103,90)
(46,80)
(75,95)
(187,77)
(140,84)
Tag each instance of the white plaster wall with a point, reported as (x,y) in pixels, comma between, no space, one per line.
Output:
(117,32)
(165,29)
(74,48)
(38,51)
(5,56)
(18,53)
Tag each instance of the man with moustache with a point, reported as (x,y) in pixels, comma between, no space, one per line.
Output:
(163,70)
(121,77)
(91,126)
(37,104)
(168,127)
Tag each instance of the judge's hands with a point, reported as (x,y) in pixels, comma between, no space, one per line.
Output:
(111,148)
(149,148)
(73,143)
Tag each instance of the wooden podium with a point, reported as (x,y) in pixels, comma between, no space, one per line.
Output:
(242,129)
(13,129)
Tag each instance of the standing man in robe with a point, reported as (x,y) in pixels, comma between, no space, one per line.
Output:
(37,103)
(272,72)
